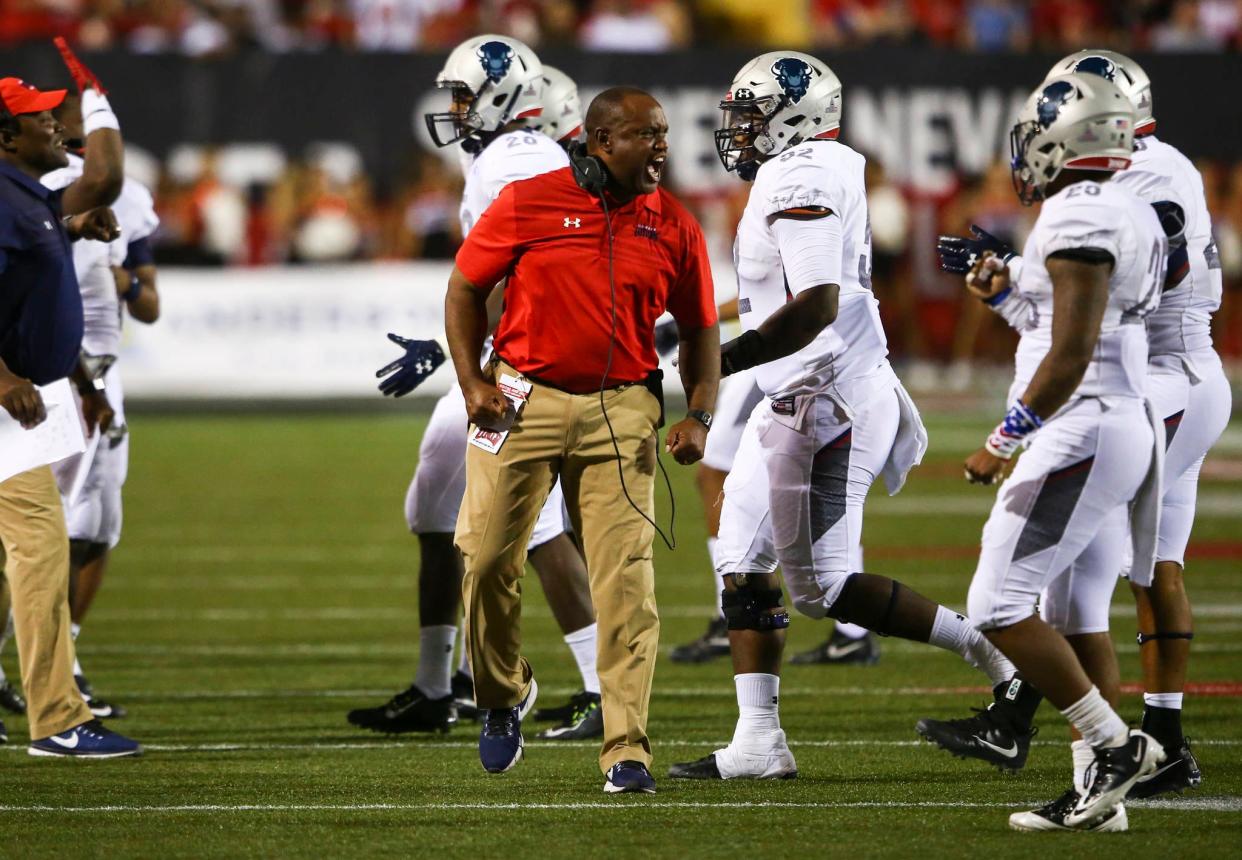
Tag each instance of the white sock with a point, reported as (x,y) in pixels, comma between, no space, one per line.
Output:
(463,658)
(582,644)
(758,699)
(1098,722)
(850,631)
(953,632)
(1083,756)
(74,630)
(1163,700)
(435,660)
(711,553)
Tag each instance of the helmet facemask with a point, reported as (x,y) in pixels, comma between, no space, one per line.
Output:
(1027,182)
(743,140)
(460,121)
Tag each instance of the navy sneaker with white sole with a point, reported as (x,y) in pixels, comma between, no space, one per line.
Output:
(500,741)
(629,777)
(89,740)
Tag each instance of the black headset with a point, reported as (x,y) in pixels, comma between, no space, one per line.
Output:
(589,171)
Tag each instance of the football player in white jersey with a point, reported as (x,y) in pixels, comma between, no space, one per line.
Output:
(834,416)
(115,277)
(497,85)
(1185,384)
(737,398)
(1090,275)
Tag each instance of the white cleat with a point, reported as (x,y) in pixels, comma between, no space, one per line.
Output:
(1053,818)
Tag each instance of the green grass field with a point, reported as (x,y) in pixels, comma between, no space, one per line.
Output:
(265,585)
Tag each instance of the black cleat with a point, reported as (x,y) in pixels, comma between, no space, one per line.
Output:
(842,651)
(11,700)
(704,768)
(561,713)
(1112,774)
(712,644)
(1052,817)
(4,733)
(101,709)
(408,711)
(1179,772)
(463,696)
(988,736)
(586,722)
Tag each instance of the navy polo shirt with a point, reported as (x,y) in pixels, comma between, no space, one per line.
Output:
(40,305)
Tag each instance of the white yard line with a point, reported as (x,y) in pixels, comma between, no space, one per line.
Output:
(423,744)
(321,649)
(1206,804)
(395,613)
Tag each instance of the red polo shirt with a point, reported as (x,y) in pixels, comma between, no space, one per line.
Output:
(549,238)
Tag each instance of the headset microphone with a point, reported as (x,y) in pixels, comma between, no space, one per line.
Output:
(591,175)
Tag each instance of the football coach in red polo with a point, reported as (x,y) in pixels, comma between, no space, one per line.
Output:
(593,254)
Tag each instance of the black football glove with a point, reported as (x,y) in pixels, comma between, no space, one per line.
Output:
(421,359)
(666,337)
(958,254)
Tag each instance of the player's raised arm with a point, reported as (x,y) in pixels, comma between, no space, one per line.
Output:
(103,173)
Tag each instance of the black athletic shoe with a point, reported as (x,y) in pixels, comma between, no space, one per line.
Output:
(712,644)
(561,713)
(1179,772)
(408,711)
(4,733)
(463,696)
(586,722)
(1052,817)
(1113,772)
(842,651)
(101,709)
(988,736)
(704,768)
(11,700)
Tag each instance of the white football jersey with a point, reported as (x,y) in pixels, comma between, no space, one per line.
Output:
(514,155)
(93,261)
(1182,323)
(847,353)
(1108,217)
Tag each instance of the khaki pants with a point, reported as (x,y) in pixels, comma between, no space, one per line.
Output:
(561,434)
(35,558)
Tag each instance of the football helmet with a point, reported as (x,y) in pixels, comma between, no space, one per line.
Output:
(494,80)
(1071,122)
(1122,71)
(776,101)
(561,119)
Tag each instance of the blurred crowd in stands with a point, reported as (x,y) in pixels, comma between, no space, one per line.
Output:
(209,28)
(227,208)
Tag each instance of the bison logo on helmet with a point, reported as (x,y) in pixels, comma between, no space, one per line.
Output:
(1101,66)
(794,77)
(1055,96)
(496,58)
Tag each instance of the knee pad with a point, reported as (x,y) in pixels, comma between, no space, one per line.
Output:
(843,610)
(748,605)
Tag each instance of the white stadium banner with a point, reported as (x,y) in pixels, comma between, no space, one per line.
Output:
(292,332)
(282,332)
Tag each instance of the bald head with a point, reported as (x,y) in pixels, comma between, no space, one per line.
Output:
(627,131)
(614,106)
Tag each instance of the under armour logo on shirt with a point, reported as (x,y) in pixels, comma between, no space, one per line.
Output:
(48,225)
(573,222)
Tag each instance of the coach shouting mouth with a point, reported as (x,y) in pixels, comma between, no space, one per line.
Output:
(593,253)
